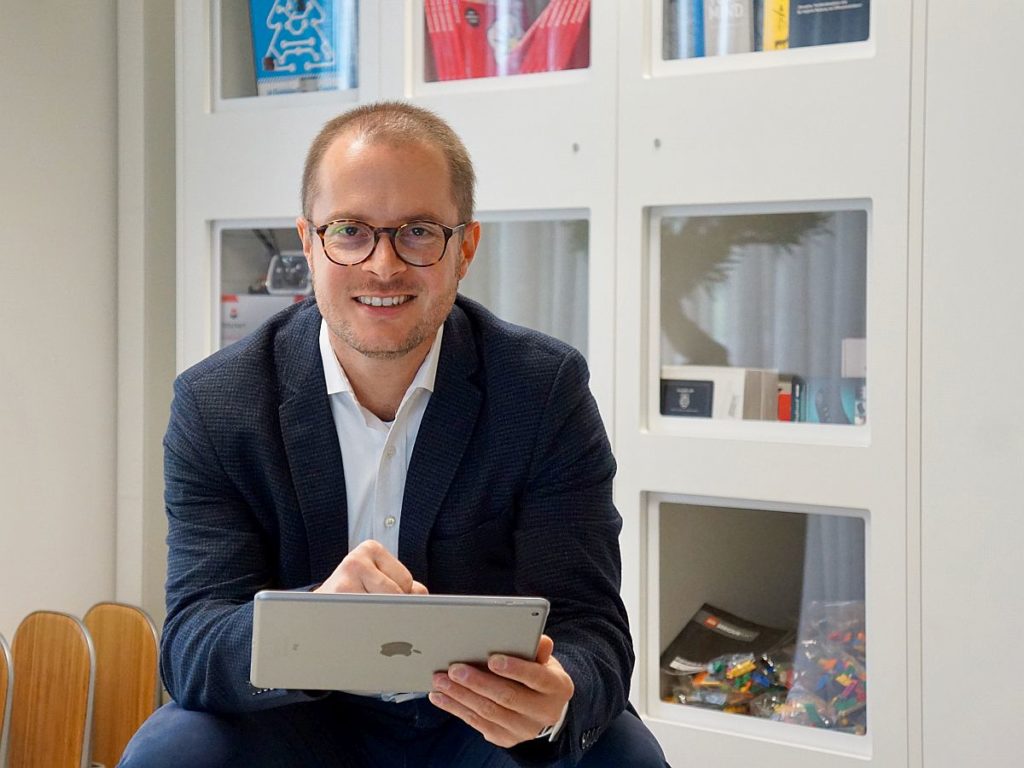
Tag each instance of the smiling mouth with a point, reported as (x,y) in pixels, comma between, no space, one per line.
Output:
(382,301)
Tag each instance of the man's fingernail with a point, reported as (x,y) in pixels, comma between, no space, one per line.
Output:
(458,672)
(441,681)
(498,662)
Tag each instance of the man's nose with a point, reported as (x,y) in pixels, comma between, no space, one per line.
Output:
(383,260)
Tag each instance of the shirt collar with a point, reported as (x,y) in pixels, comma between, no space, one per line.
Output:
(337,381)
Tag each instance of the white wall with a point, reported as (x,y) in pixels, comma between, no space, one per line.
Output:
(58,352)
(972,515)
(146,293)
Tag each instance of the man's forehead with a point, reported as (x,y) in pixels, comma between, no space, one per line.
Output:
(419,184)
(353,143)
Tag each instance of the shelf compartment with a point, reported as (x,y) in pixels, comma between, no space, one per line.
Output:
(768,603)
(261,270)
(270,47)
(694,29)
(532,269)
(759,313)
(501,38)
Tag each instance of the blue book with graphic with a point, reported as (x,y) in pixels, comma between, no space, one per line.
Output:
(304,45)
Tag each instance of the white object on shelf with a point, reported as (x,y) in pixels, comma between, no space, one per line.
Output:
(241,314)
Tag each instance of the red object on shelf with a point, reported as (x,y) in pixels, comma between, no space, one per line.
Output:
(468,40)
(474,24)
(551,42)
(785,406)
(443,28)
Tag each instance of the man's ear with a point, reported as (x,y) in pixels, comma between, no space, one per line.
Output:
(470,240)
(306,235)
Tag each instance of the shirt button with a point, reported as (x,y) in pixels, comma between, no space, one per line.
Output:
(389,521)
(389,452)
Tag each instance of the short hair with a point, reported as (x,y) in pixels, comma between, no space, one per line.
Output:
(395,121)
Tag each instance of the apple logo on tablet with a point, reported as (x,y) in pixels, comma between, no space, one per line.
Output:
(398,649)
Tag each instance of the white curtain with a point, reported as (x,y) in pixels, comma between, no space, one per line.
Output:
(775,305)
(534,273)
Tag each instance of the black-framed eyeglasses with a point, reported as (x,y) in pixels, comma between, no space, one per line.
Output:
(348,242)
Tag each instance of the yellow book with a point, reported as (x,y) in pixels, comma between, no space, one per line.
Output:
(776,25)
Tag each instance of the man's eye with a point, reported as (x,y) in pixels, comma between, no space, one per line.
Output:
(344,230)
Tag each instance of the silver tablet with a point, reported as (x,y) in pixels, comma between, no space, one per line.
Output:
(384,643)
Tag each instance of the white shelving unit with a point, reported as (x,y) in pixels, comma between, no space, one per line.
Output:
(810,129)
(616,148)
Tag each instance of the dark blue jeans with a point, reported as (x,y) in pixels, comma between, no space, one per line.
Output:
(344,732)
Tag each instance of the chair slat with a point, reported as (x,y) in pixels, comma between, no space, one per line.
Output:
(51,710)
(127,676)
(6,691)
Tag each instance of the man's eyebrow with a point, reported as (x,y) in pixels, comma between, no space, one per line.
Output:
(416,216)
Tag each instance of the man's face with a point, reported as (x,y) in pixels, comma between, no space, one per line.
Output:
(386,185)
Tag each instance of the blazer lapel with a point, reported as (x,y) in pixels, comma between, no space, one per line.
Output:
(311,444)
(442,439)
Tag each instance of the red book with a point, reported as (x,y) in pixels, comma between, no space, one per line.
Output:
(551,42)
(442,17)
(476,20)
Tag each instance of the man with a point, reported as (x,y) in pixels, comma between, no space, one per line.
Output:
(392,437)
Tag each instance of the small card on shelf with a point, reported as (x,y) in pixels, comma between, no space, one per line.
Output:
(719,392)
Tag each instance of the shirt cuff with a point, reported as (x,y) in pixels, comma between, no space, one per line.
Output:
(552,731)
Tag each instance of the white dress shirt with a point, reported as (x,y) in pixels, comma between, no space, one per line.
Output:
(375,454)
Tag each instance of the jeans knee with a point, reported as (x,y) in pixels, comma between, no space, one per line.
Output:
(175,737)
(626,741)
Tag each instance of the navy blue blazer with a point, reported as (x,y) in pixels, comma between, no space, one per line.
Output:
(509,492)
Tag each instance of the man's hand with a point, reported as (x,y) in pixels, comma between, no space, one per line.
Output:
(511,701)
(371,568)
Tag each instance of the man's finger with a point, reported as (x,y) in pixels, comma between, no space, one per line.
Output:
(542,678)
(544,649)
(487,716)
(391,567)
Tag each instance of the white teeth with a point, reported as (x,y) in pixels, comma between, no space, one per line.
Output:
(386,301)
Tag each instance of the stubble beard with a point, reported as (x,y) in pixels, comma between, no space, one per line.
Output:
(418,334)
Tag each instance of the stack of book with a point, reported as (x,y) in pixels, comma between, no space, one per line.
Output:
(695,28)
(724,392)
(503,37)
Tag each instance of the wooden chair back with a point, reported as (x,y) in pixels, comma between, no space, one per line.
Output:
(127,676)
(6,690)
(51,711)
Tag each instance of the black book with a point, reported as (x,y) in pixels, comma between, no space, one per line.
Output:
(713,632)
(824,22)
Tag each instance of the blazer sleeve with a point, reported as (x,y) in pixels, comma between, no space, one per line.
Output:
(567,550)
(217,559)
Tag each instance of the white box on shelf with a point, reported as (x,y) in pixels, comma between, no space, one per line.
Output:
(854,359)
(241,314)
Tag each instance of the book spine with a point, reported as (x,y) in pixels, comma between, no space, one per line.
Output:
(785,398)
(697,29)
(728,26)
(825,22)
(775,28)
(551,40)
(453,26)
(476,18)
(683,36)
(799,412)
